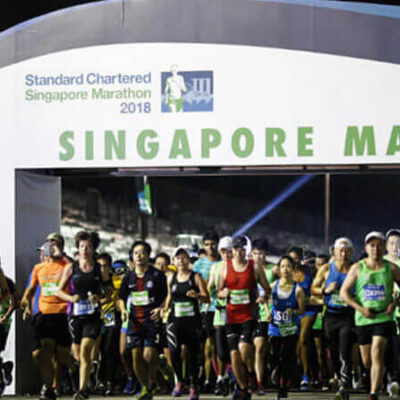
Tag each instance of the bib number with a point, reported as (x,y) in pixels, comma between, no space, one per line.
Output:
(239,297)
(50,288)
(287,329)
(374,292)
(336,300)
(83,307)
(109,320)
(140,298)
(184,309)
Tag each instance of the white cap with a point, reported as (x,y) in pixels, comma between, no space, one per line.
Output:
(180,250)
(374,235)
(225,243)
(343,242)
(392,231)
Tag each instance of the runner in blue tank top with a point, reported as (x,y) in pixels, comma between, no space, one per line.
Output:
(339,317)
(288,302)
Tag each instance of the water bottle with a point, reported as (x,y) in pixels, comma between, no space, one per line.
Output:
(95,305)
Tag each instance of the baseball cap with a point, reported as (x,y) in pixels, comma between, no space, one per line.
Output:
(374,235)
(239,241)
(392,231)
(179,250)
(57,237)
(343,242)
(225,243)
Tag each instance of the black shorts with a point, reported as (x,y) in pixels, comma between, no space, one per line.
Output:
(4,329)
(365,333)
(52,326)
(261,330)
(236,333)
(207,325)
(147,336)
(85,327)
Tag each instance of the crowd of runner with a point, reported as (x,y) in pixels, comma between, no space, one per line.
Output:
(229,322)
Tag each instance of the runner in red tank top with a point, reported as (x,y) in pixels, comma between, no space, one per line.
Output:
(238,283)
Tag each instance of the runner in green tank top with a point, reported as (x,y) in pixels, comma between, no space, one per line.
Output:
(225,251)
(392,255)
(374,303)
(259,254)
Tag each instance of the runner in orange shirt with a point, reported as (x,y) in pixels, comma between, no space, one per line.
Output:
(51,324)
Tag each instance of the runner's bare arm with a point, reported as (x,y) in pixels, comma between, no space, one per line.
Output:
(66,276)
(262,280)
(223,291)
(319,281)
(301,300)
(348,284)
(203,296)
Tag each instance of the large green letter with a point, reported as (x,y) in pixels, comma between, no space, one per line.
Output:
(394,142)
(210,139)
(180,145)
(249,142)
(89,145)
(304,143)
(147,150)
(66,142)
(274,138)
(111,144)
(353,140)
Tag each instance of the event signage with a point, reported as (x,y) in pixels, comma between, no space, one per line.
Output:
(193,105)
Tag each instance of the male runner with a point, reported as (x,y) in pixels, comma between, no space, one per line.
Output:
(339,317)
(259,254)
(51,324)
(144,288)
(372,278)
(203,267)
(238,284)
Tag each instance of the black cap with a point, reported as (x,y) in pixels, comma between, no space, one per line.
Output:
(239,241)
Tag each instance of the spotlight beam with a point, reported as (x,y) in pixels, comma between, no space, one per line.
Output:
(287,192)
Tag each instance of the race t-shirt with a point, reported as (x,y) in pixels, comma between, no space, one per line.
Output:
(48,276)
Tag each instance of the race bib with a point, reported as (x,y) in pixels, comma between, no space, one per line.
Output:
(374,292)
(337,300)
(140,298)
(241,296)
(288,329)
(184,309)
(109,319)
(83,307)
(50,288)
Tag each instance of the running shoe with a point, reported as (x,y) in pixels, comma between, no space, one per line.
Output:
(372,396)
(47,393)
(241,395)
(193,394)
(78,396)
(393,389)
(208,387)
(253,382)
(109,390)
(7,368)
(177,390)
(305,383)
(260,389)
(145,394)
(342,394)
(131,386)
(218,387)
